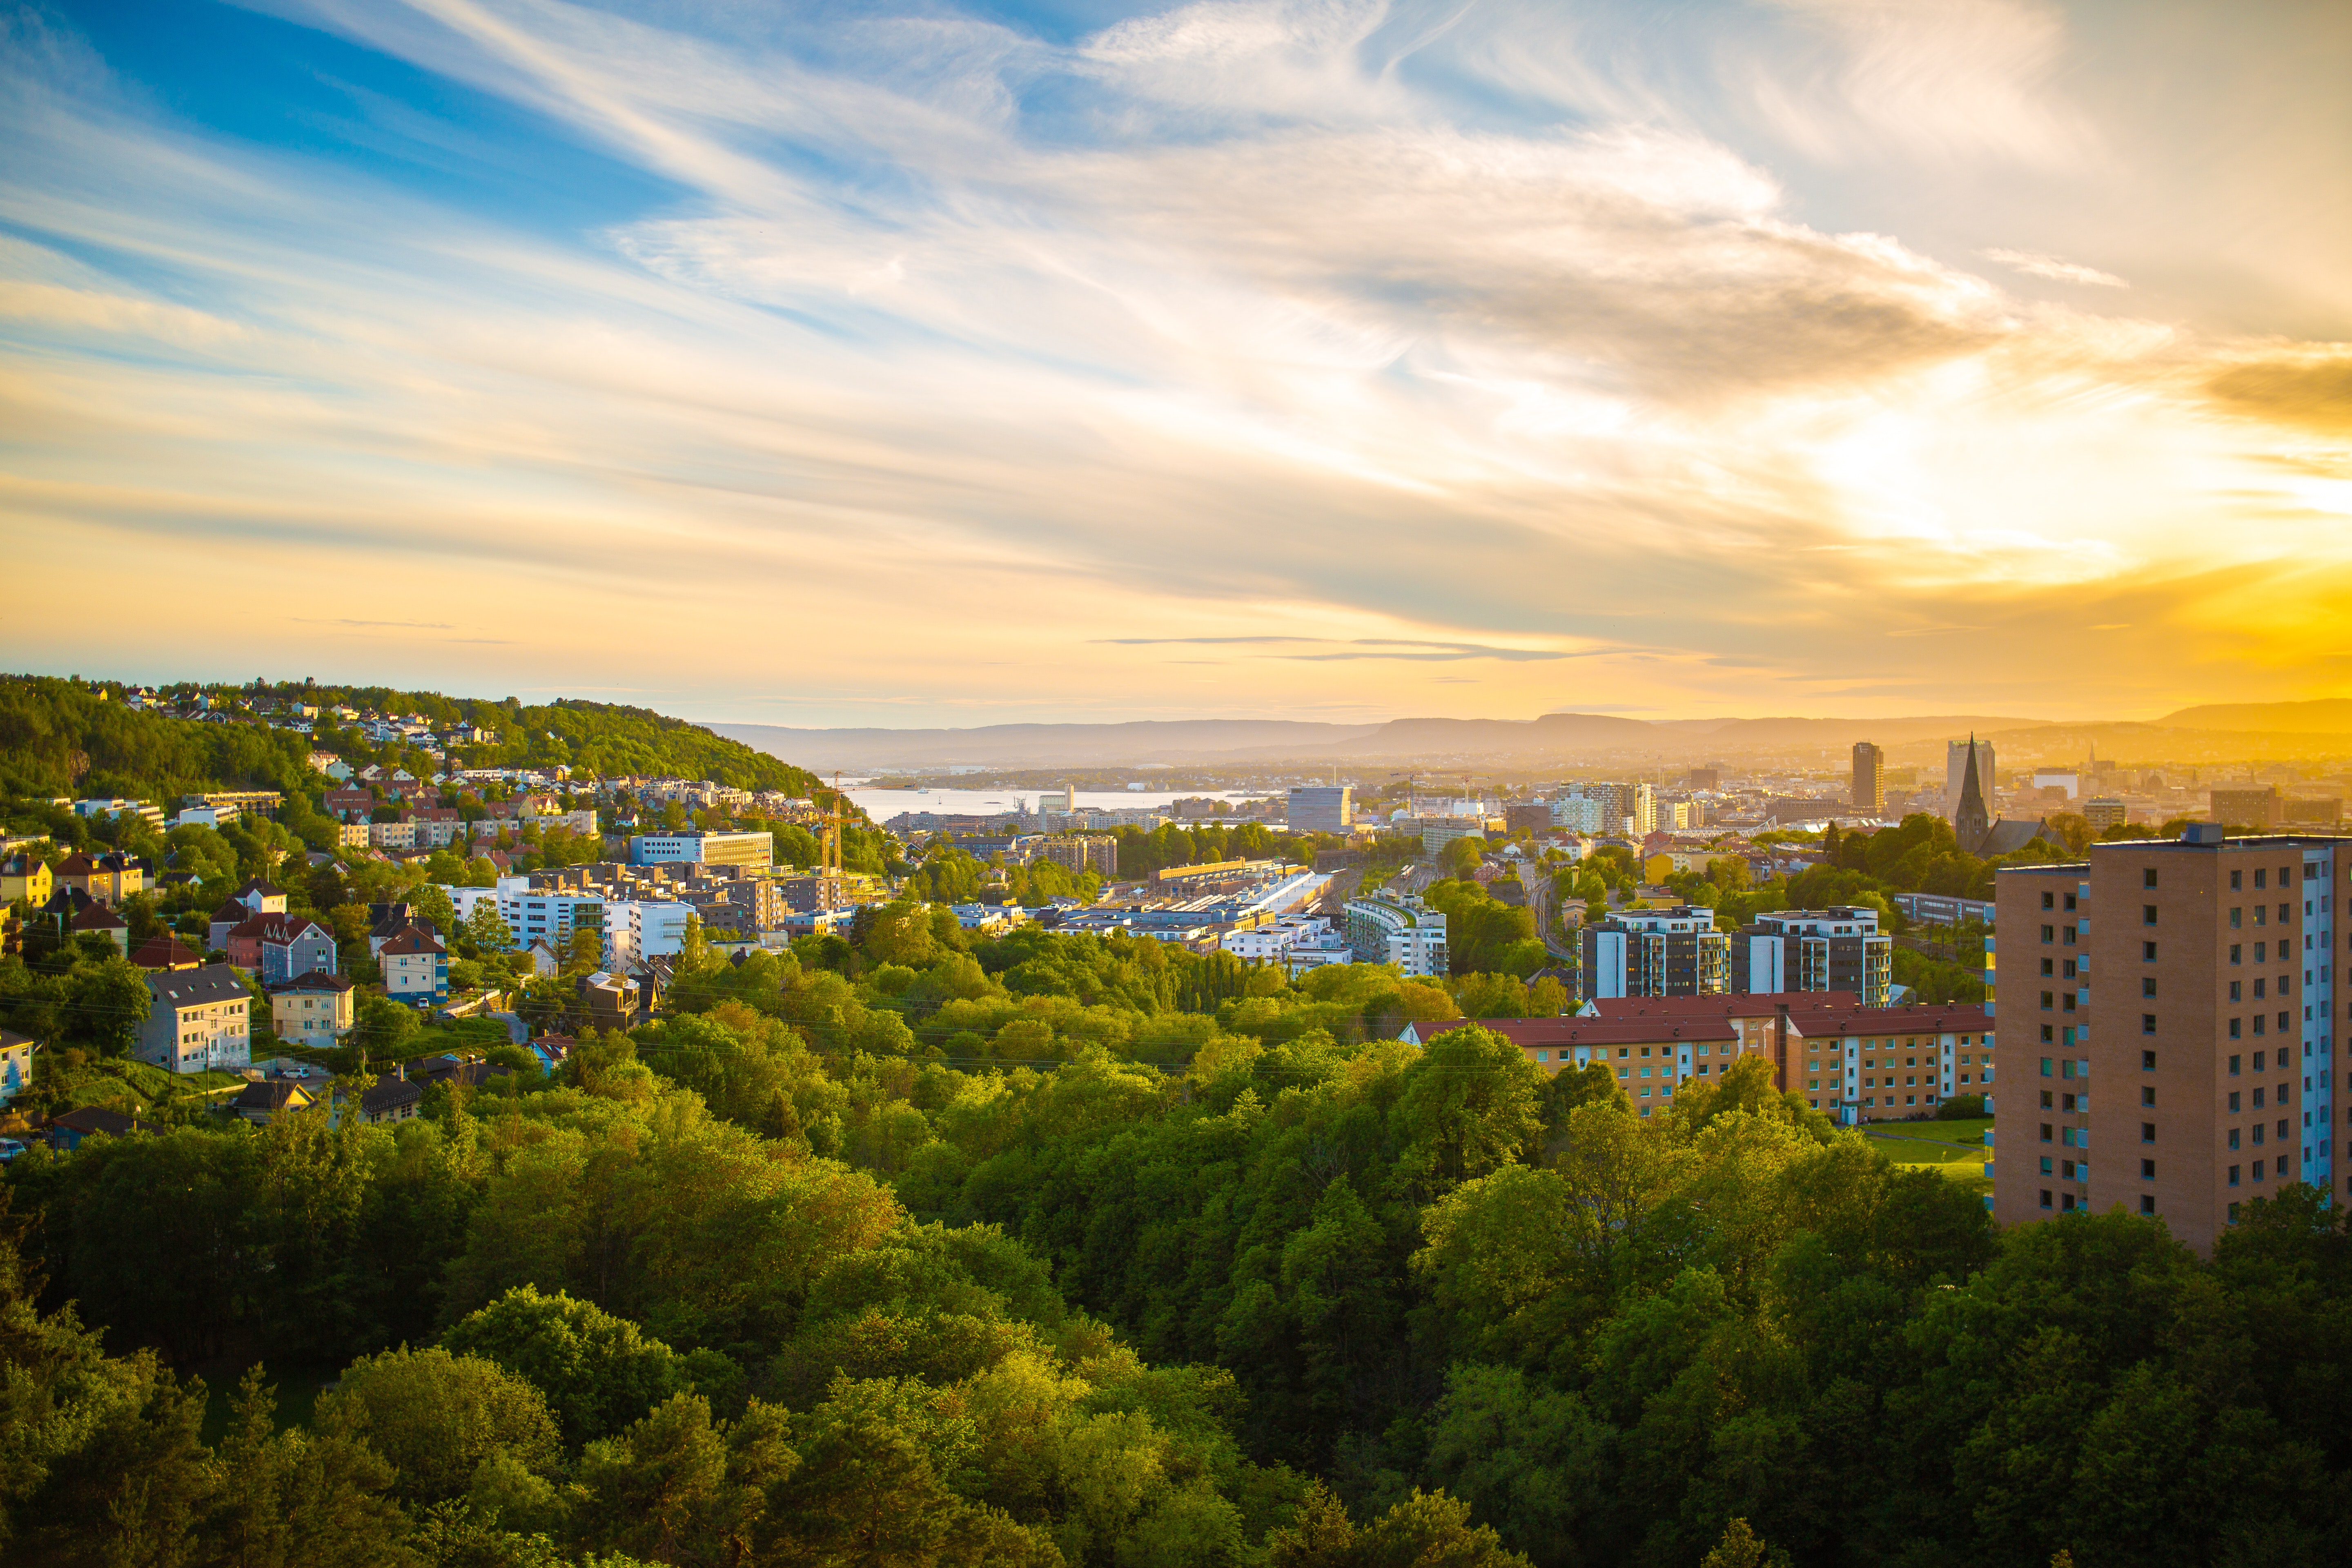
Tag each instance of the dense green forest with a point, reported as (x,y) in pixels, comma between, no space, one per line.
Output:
(58,738)
(921,1248)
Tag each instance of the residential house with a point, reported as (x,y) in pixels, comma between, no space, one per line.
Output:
(224,920)
(353,805)
(397,835)
(199,1020)
(388,921)
(610,1001)
(415,968)
(313,1009)
(281,946)
(68,1132)
(262,897)
(26,875)
(95,918)
(165,951)
(545,960)
(351,834)
(467,1071)
(16,1064)
(271,1097)
(393,1099)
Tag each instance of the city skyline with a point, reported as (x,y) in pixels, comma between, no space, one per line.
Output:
(970,365)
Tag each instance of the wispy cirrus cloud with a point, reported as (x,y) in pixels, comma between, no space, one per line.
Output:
(2034,265)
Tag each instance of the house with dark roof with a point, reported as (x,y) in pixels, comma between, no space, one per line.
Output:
(314,1009)
(415,968)
(261,1102)
(262,897)
(165,951)
(395,1098)
(469,1071)
(280,946)
(97,920)
(199,1020)
(224,920)
(68,1132)
(25,875)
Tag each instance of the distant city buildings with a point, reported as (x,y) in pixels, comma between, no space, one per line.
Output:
(1869,793)
(1321,808)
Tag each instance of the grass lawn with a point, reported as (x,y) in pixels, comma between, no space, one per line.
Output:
(136,1087)
(1954,1149)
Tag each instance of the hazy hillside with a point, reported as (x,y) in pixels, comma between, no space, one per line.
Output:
(1560,737)
(2327,716)
(1043,745)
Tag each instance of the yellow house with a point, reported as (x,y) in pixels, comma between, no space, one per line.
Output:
(26,875)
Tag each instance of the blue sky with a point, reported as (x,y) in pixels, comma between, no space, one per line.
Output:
(1317,358)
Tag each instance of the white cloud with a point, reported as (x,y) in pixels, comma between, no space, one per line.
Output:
(2035,265)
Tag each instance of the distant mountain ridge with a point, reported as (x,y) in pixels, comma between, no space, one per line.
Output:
(2321,716)
(1273,740)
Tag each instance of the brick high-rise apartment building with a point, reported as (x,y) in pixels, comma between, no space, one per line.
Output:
(2187,988)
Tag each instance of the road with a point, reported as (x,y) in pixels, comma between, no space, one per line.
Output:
(1537,880)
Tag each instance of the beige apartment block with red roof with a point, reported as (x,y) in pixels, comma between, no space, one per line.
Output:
(1851,1063)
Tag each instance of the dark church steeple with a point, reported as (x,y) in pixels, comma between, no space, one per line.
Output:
(1972,823)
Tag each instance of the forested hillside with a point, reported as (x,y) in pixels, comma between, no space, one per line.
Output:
(58,737)
(926,1248)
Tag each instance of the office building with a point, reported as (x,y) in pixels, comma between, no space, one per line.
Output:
(2184,988)
(1656,952)
(2105,811)
(1386,929)
(706,848)
(1869,793)
(1706,778)
(2255,808)
(1838,949)
(1322,808)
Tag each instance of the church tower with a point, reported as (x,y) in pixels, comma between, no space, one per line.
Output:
(1972,823)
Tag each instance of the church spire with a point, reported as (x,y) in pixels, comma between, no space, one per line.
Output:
(1972,823)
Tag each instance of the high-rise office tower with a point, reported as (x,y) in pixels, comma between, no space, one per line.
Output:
(2185,988)
(1869,779)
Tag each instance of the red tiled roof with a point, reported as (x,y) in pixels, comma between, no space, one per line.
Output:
(411,940)
(1529,1032)
(164,952)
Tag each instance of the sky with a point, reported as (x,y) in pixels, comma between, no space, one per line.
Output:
(922,365)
